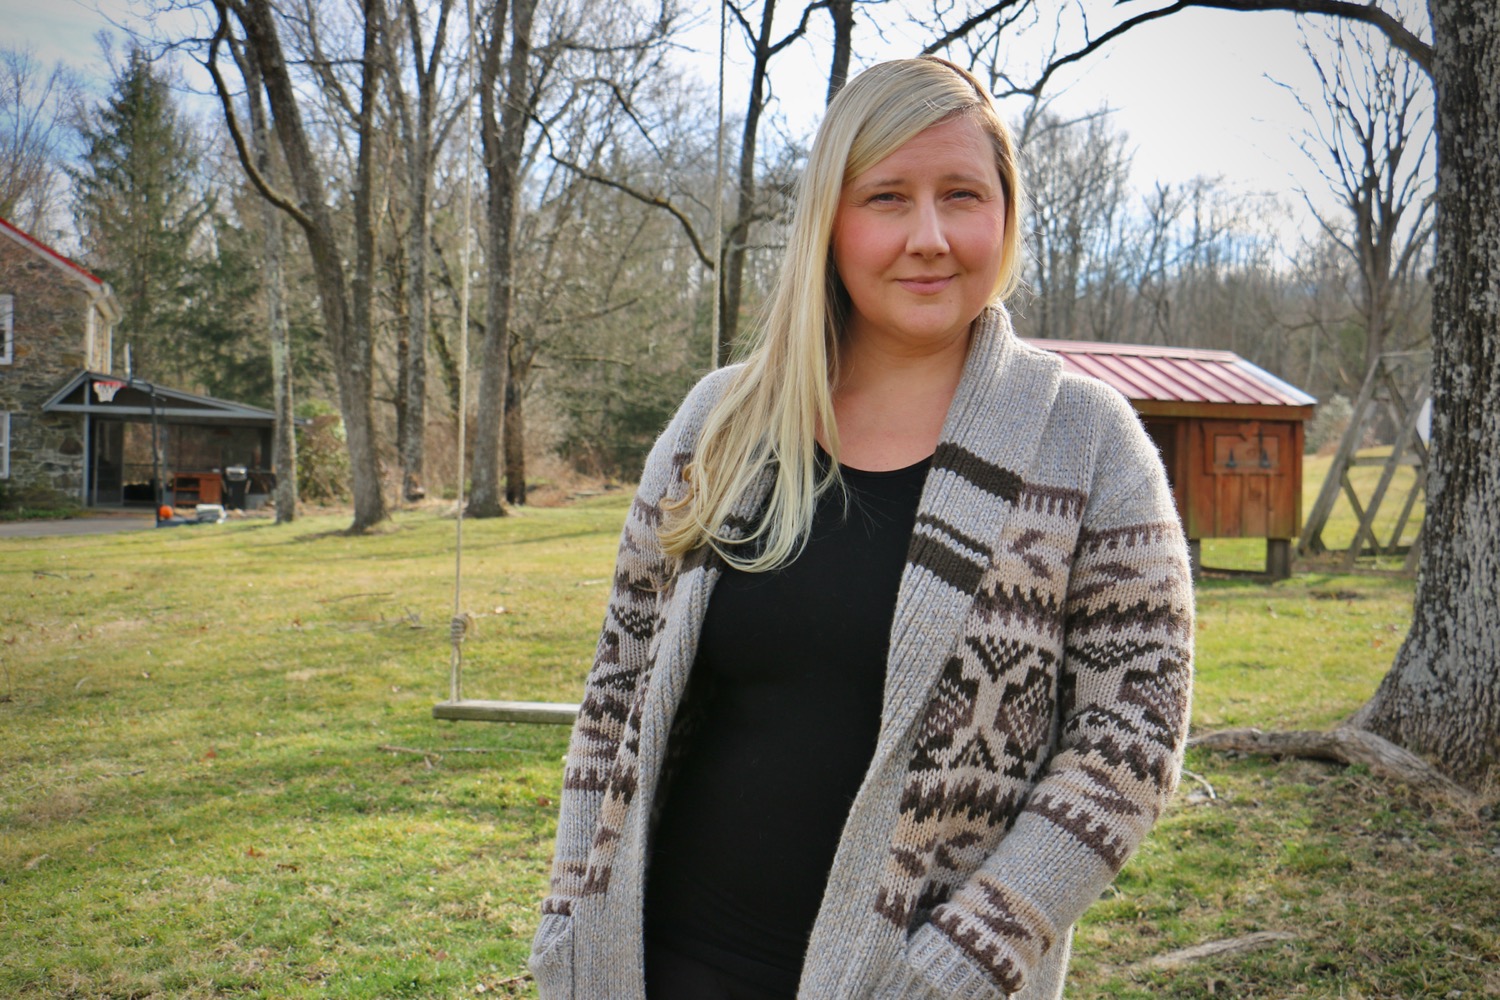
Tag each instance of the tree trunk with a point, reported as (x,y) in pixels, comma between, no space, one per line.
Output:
(503,142)
(515,434)
(842,13)
(360,355)
(739,232)
(411,442)
(273,280)
(1442,696)
(350,341)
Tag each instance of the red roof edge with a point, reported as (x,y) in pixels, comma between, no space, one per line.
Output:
(47,251)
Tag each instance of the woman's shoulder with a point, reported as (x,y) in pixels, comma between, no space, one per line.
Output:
(703,397)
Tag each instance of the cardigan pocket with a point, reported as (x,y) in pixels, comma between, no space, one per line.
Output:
(551,960)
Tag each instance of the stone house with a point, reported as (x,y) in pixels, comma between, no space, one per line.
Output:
(71,428)
(55,320)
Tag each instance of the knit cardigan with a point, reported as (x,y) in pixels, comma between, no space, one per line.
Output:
(1035,703)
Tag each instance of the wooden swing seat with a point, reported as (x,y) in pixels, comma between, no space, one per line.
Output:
(476,710)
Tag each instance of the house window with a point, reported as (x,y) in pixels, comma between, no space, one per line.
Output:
(7,328)
(4,445)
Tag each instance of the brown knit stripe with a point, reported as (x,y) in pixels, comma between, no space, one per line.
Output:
(991,478)
(994,916)
(1087,827)
(957,569)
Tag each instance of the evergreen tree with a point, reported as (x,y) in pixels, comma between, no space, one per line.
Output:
(140,205)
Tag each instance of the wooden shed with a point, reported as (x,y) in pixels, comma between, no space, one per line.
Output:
(1229,432)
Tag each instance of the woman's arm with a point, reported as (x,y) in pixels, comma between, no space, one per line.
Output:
(1123,707)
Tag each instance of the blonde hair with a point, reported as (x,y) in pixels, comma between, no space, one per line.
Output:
(782,396)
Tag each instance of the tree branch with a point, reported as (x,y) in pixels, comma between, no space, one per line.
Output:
(232,122)
(656,201)
(1399,35)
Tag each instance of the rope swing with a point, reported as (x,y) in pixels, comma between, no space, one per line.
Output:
(457,707)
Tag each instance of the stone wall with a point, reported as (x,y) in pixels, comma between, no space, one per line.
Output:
(51,311)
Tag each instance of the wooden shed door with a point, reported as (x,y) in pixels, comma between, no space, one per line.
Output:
(1248,482)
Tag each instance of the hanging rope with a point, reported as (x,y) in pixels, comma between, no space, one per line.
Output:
(459,626)
(719,194)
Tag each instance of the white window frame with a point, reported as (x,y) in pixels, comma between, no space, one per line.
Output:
(4,445)
(7,329)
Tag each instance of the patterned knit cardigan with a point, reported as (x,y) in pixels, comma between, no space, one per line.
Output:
(1035,708)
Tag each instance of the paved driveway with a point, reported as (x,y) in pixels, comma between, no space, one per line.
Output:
(97,525)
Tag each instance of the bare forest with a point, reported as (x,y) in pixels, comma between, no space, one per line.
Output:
(404,206)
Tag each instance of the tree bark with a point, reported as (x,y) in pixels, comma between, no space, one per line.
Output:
(1442,696)
(735,241)
(345,316)
(515,433)
(842,13)
(503,141)
(273,285)
(419,126)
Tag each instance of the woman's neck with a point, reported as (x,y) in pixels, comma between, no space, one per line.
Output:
(890,405)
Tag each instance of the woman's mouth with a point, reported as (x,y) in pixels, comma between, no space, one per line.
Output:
(926,284)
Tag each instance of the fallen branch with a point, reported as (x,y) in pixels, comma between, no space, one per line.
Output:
(389,748)
(1346,745)
(1241,945)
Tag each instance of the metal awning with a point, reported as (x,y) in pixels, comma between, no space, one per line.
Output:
(126,398)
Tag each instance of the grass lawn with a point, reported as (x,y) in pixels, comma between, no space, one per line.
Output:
(197,798)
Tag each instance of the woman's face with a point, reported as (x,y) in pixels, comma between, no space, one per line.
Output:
(918,239)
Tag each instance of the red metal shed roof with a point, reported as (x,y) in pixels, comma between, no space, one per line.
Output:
(1176,374)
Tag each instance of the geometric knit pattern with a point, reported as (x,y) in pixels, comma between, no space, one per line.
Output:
(1036,703)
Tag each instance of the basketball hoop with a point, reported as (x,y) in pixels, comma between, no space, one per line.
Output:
(105,390)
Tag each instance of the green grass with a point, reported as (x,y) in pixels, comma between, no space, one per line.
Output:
(195,803)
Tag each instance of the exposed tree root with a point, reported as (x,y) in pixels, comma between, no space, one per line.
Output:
(1347,745)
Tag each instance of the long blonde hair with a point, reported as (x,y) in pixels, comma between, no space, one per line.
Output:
(782,395)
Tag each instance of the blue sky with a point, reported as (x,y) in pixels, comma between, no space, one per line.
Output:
(1191,90)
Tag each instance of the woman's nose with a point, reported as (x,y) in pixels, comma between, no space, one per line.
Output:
(926,237)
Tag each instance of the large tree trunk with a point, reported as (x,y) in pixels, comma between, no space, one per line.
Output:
(503,142)
(1442,696)
(345,319)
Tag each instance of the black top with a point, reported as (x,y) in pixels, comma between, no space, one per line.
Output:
(776,731)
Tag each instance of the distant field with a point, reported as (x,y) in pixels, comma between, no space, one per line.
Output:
(200,795)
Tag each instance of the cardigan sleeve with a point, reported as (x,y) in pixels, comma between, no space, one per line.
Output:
(623,654)
(1123,702)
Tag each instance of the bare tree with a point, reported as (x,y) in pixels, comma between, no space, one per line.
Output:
(344,294)
(33,123)
(424,127)
(1373,149)
(273,284)
(505,109)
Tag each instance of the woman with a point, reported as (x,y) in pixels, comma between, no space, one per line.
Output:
(880,724)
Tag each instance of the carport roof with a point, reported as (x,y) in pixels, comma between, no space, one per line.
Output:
(133,399)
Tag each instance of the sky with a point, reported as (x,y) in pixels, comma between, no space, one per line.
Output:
(1195,92)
